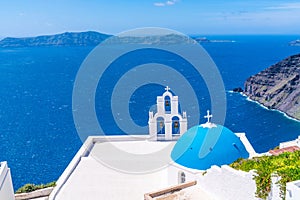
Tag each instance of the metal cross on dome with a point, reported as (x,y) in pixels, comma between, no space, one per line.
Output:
(208,116)
(167,88)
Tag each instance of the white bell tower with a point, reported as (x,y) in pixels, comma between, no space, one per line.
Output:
(167,123)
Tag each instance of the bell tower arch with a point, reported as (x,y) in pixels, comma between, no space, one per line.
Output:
(167,123)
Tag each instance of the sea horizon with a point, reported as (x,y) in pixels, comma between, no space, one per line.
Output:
(116,33)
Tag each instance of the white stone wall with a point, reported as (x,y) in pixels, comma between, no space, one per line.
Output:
(247,144)
(222,183)
(226,183)
(6,187)
(275,189)
(36,195)
(295,142)
(293,190)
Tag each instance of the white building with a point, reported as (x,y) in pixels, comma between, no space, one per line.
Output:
(6,187)
(129,167)
(100,169)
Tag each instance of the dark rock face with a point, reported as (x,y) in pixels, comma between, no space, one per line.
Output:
(238,89)
(89,38)
(278,87)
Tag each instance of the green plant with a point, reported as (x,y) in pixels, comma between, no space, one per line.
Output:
(32,187)
(285,165)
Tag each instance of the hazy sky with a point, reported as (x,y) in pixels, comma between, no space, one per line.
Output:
(36,17)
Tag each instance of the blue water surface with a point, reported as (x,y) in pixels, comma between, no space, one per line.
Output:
(38,137)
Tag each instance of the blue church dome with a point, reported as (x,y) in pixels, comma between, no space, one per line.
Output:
(206,145)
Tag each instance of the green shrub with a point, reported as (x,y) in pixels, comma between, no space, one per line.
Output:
(285,165)
(32,187)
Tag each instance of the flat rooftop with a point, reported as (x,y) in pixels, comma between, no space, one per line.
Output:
(115,169)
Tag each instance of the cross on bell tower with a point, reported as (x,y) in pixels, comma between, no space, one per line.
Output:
(167,88)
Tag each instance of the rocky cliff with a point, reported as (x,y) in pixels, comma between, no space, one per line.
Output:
(278,87)
(89,38)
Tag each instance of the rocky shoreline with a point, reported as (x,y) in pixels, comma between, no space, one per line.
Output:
(277,87)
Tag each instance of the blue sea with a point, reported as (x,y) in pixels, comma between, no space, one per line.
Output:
(38,137)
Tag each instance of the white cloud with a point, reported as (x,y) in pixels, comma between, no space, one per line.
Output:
(166,3)
(170,3)
(159,4)
(285,6)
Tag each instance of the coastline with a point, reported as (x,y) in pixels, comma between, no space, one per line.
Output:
(275,110)
(263,106)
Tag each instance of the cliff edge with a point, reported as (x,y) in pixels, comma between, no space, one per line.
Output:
(278,86)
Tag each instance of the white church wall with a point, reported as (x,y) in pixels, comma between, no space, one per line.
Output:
(174,171)
(174,105)
(160,106)
(6,187)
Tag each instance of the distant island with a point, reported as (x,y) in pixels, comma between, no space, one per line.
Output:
(205,40)
(278,87)
(92,38)
(89,38)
